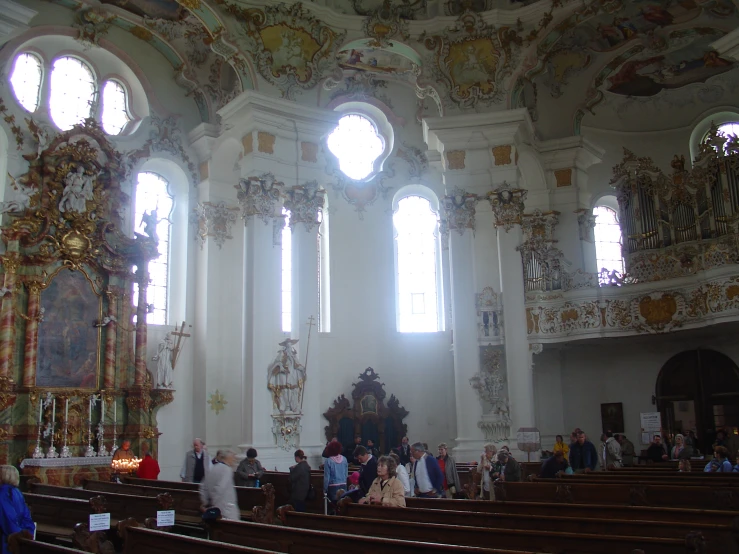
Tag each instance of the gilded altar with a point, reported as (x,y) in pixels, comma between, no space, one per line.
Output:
(73,376)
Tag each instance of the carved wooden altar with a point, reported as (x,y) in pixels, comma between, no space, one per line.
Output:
(67,319)
(368,415)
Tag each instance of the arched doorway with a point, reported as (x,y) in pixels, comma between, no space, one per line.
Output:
(699,390)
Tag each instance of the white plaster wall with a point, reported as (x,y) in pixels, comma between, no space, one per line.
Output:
(612,370)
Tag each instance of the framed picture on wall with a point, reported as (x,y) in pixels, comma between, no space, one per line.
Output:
(612,417)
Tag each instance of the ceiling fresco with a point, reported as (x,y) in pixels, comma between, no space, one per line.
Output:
(454,56)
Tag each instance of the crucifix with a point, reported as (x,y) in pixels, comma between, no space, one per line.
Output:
(180,334)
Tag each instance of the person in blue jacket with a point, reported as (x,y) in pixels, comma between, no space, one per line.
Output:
(427,473)
(14,514)
(583,455)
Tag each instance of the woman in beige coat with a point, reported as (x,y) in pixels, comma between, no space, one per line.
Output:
(387,488)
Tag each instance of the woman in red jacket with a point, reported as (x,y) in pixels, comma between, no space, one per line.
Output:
(148,467)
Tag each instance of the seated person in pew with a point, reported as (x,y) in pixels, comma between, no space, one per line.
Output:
(217,489)
(355,492)
(683,466)
(583,456)
(510,468)
(14,514)
(148,467)
(656,452)
(386,489)
(720,462)
(555,466)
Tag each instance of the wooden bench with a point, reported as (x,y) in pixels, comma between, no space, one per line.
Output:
(306,541)
(500,536)
(55,516)
(24,544)
(680,515)
(281,482)
(626,495)
(719,538)
(248,498)
(732,483)
(139,540)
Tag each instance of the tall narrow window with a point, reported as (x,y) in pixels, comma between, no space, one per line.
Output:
(26,80)
(152,196)
(72,92)
(608,239)
(115,114)
(324,275)
(417,265)
(287,274)
(357,144)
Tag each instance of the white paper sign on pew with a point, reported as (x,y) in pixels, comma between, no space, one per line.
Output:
(99,522)
(165,518)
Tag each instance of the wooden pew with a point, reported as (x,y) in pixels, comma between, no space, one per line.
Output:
(281,482)
(139,540)
(306,541)
(120,506)
(55,516)
(634,495)
(719,538)
(24,544)
(681,515)
(500,536)
(178,485)
(644,480)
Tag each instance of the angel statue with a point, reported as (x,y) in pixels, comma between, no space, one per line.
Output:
(150,221)
(163,359)
(22,200)
(286,378)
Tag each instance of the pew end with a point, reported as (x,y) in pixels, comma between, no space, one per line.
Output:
(14,541)
(342,505)
(282,512)
(266,513)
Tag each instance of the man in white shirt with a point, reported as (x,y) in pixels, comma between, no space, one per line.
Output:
(427,473)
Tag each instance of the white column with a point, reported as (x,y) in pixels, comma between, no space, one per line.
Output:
(518,360)
(305,298)
(466,349)
(262,331)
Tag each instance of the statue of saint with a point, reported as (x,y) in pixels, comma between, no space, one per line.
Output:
(149,221)
(163,359)
(77,191)
(22,198)
(286,378)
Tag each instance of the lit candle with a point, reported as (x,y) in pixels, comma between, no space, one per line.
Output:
(66,410)
(89,412)
(53,414)
(115,413)
(40,410)
(102,409)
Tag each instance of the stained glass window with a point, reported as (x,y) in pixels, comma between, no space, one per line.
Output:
(417,241)
(26,80)
(152,194)
(357,144)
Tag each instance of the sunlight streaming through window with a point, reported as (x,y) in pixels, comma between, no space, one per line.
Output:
(608,240)
(115,115)
(72,92)
(416,235)
(152,194)
(26,80)
(356,143)
(287,274)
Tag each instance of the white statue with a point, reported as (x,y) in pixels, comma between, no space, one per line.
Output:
(163,359)
(22,198)
(77,191)
(286,378)
(150,221)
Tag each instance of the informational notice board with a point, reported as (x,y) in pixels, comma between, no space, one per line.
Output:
(651,424)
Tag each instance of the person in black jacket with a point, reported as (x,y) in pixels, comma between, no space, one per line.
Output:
(404,451)
(368,472)
(554,466)
(299,481)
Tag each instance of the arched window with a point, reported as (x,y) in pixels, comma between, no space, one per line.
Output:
(287,274)
(152,195)
(417,264)
(72,92)
(26,80)
(115,113)
(608,236)
(357,145)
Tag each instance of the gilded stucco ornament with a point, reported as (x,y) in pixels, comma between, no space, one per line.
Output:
(305,203)
(459,210)
(259,196)
(214,220)
(92,24)
(507,204)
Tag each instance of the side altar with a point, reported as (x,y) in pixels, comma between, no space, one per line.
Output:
(73,376)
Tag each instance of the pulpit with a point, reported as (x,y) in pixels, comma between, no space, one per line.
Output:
(367,415)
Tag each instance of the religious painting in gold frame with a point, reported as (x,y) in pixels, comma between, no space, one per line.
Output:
(369,404)
(68,339)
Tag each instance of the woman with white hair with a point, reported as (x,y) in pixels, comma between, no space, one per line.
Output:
(217,489)
(14,514)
